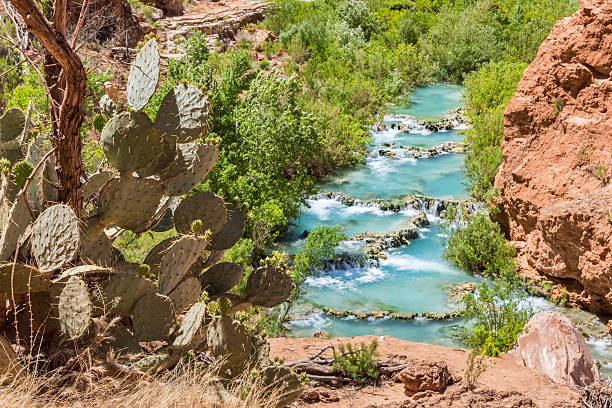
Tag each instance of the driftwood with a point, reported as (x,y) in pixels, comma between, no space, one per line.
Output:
(320,369)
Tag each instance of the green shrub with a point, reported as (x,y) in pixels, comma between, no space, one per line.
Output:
(264,65)
(98,122)
(359,364)
(498,314)
(476,244)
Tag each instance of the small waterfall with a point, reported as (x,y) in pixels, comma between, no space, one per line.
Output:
(347,263)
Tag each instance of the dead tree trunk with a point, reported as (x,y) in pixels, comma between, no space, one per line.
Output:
(66,78)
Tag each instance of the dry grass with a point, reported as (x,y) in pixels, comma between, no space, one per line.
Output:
(181,388)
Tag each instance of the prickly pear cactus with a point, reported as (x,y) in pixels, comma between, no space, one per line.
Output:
(282,383)
(74,308)
(119,292)
(129,202)
(228,339)
(154,317)
(96,247)
(183,114)
(131,142)
(158,163)
(221,277)
(14,229)
(185,294)
(268,286)
(95,182)
(143,77)
(55,238)
(191,164)
(16,278)
(207,207)
(232,230)
(12,125)
(177,261)
(192,331)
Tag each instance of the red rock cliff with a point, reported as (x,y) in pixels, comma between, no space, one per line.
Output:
(555,179)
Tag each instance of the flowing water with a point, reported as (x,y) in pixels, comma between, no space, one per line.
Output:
(413,278)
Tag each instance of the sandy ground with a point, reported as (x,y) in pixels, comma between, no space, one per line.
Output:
(502,375)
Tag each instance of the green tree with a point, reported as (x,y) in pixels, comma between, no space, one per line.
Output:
(318,246)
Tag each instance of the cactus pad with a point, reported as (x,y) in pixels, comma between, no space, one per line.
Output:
(207,207)
(9,365)
(185,294)
(96,248)
(18,222)
(281,382)
(122,341)
(55,237)
(21,279)
(12,124)
(11,151)
(129,202)
(156,254)
(157,362)
(214,257)
(268,287)
(95,182)
(177,261)
(120,292)
(183,114)
(221,277)
(153,317)
(74,308)
(229,340)
(130,142)
(143,76)
(108,107)
(83,270)
(190,166)
(232,229)
(192,331)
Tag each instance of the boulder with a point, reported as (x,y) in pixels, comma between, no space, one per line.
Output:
(554,181)
(425,376)
(555,347)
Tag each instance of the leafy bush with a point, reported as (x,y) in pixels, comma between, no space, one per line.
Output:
(499,314)
(476,244)
(359,364)
(318,246)
(488,90)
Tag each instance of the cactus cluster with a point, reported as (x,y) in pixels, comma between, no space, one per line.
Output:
(72,267)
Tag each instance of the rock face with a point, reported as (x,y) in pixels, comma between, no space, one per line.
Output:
(555,179)
(425,376)
(553,346)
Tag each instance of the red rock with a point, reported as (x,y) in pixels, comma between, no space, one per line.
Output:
(555,195)
(424,376)
(553,346)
